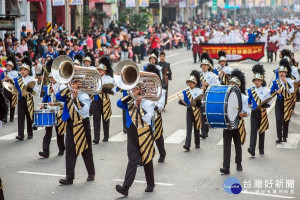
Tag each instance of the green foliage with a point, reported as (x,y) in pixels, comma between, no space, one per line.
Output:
(86,18)
(99,16)
(137,21)
(88,14)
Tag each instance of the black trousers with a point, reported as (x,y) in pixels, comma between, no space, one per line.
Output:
(1,190)
(134,157)
(195,57)
(124,119)
(22,113)
(189,125)
(97,113)
(47,140)
(143,51)
(160,143)
(255,123)
(8,96)
(270,55)
(282,127)
(228,135)
(166,96)
(71,156)
(204,128)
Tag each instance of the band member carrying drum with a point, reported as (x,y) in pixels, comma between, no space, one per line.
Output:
(207,78)
(101,102)
(238,134)
(259,117)
(27,87)
(284,87)
(193,114)
(8,76)
(223,71)
(78,129)
(157,121)
(60,129)
(139,115)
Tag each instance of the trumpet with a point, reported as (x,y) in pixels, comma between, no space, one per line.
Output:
(127,77)
(64,72)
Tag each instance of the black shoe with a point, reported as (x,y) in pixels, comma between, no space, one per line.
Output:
(197,146)
(61,153)
(239,167)
(206,135)
(4,120)
(186,147)
(279,140)
(66,181)
(284,140)
(29,137)
(251,152)
(11,120)
(149,189)
(105,139)
(19,138)
(224,170)
(122,190)
(44,154)
(202,136)
(95,141)
(261,152)
(124,131)
(195,61)
(161,159)
(90,177)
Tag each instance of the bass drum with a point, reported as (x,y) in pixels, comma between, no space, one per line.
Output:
(222,105)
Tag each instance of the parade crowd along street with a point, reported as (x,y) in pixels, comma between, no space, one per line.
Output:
(74,75)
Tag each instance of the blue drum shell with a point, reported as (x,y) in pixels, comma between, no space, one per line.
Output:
(44,119)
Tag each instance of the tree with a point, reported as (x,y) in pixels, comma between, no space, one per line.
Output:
(98,17)
(86,18)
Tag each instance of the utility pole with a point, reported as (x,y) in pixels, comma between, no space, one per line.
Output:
(136,9)
(67,16)
(49,15)
(234,12)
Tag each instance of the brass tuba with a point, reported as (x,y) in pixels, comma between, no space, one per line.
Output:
(64,72)
(127,76)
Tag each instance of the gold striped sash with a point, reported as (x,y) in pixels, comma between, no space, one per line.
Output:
(29,98)
(14,97)
(61,124)
(196,111)
(225,77)
(158,128)
(288,101)
(146,139)
(78,128)
(106,106)
(264,122)
(242,130)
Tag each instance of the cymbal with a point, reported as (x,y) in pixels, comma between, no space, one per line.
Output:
(264,102)
(200,97)
(29,85)
(108,86)
(10,87)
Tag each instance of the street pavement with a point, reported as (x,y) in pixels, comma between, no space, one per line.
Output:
(184,175)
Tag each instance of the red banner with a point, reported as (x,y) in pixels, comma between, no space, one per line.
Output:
(235,52)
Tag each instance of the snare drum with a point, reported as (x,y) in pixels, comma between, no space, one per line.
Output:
(44,118)
(222,105)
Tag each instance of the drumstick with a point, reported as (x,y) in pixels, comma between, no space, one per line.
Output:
(182,100)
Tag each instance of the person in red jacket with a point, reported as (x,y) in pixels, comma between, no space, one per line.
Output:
(196,46)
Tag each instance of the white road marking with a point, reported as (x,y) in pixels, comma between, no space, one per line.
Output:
(54,138)
(13,135)
(292,142)
(156,183)
(177,137)
(268,195)
(221,142)
(42,174)
(120,137)
(268,111)
(116,116)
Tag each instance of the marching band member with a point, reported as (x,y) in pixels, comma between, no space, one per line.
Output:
(296,40)
(239,134)
(259,117)
(139,115)
(193,113)
(223,71)
(157,121)
(207,78)
(78,59)
(101,102)
(49,98)
(167,74)
(78,129)
(284,87)
(25,104)
(9,75)
(153,61)
(89,60)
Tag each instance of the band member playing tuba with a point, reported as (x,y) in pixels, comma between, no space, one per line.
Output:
(8,76)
